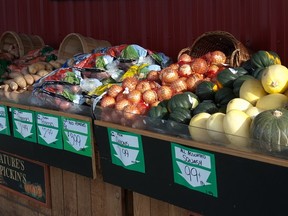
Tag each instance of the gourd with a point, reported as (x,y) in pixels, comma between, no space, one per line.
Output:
(236,125)
(180,115)
(197,127)
(207,106)
(238,83)
(226,77)
(263,59)
(251,90)
(238,104)
(187,100)
(206,90)
(214,125)
(269,130)
(275,79)
(223,96)
(272,101)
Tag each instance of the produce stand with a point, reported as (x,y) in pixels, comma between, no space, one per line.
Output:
(246,183)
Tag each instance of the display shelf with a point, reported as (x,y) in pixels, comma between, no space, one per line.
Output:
(238,182)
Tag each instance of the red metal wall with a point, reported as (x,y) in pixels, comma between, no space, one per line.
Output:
(161,25)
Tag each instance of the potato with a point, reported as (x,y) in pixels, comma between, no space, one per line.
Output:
(14,74)
(13,85)
(36,77)
(33,68)
(21,82)
(42,73)
(55,64)
(29,79)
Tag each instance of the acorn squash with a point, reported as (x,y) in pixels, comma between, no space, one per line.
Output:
(187,100)
(269,130)
(181,115)
(206,90)
(263,59)
(207,106)
(226,77)
(223,96)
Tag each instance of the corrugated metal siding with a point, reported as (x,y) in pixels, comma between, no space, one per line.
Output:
(162,25)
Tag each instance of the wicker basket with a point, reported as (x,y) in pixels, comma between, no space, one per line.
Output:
(24,42)
(75,43)
(223,41)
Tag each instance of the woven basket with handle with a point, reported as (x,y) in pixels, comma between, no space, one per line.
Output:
(234,50)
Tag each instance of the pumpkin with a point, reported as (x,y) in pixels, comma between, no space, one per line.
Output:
(214,126)
(180,115)
(238,83)
(262,59)
(223,96)
(207,106)
(236,125)
(206,90)
(275,79)
(197,127)
(251,90)
(238,104)
(187,100)
(272,101)
(269,130)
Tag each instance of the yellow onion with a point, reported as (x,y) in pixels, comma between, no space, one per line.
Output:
(199,65)
(193,80)
(143,85)
(114,90)
(150,96)
(121,104)
(107,101)
(169,75)
(153,75)
(135,96)
(185,70)
(179,85)
(130,83)
(131,111)
(164,93)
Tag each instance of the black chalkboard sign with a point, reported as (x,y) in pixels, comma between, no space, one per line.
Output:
(25,177)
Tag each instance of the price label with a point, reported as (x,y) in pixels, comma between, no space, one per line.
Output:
(194,169)
(4,121)
(24,124)
(49,130)
(126,150)
(77,136)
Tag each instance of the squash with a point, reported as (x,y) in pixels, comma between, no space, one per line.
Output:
(272,101)
(269,130)
(275,79)
(253,111)
(207,106)
(206,90)
(187,100)
(236,125)
(180,115)
(251,90)
(226,77)
(238,104)
(223,96)
(214,126)
(238,83)
(158,111)
(263,59)
(197,127)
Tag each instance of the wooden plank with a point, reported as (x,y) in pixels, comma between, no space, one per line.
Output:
(70,193)
(177,211)
(57,197)
(159,207)
(83,185)
(141,204)
(229,150)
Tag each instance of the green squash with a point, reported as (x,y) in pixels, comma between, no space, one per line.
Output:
(262,59)
(207,106)
(180,115)
(159,112)
(226,77)
(223,96)
(206,90)
(187,100)
(269,130)
(238,83)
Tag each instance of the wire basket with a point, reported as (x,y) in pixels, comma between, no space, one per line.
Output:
(234,50)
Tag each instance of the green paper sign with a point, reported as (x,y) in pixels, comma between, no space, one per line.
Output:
(126,150)
(49,130)
(24,124)
(4,121)
(194,169)
(77,136)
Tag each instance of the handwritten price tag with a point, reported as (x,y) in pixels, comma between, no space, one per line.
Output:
(4,121)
